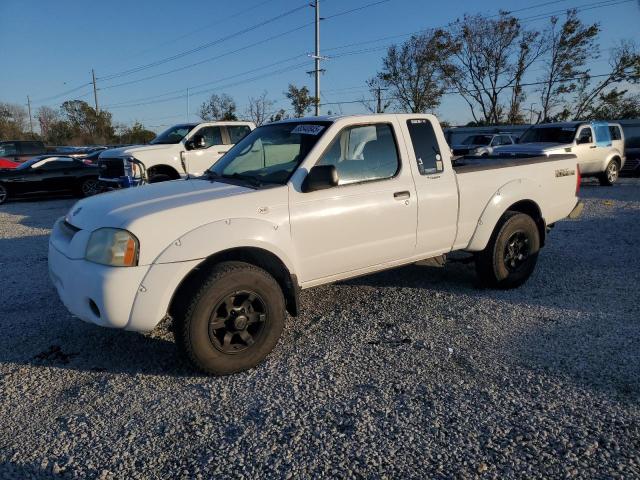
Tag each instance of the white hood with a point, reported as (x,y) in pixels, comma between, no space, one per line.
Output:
(135,149)
(160,213)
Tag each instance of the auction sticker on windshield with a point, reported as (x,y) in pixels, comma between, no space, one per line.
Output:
(308,129)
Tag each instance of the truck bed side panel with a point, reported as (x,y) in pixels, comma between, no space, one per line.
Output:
(487,191)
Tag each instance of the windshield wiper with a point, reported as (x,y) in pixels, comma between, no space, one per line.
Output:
(254,181)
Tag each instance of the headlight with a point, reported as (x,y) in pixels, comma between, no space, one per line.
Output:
(112,246)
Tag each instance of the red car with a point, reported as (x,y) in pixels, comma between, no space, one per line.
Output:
(4,163)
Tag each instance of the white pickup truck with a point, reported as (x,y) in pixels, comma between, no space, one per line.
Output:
(182,150)
(598,146)
(296,204)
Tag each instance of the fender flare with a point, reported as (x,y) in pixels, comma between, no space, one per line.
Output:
(230,233)
(515,191)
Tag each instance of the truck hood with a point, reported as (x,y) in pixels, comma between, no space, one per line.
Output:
(132,150)
(160,213)
(122,208)
(532,148)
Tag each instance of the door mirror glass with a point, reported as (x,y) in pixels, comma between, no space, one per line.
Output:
(320,177)
(196,142)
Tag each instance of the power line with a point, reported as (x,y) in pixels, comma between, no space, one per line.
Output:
(458,92)
(203,46)
(206,27)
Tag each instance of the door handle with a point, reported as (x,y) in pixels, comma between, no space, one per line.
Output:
(592,146)
(402,195)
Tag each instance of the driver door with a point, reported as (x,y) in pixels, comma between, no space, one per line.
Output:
(588,153)
(200,159)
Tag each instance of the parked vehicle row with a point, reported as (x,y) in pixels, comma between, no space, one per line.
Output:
(293,205)
(48,175)
(482,145)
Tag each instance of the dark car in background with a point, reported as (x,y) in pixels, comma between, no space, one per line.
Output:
(49,175)
(18,151)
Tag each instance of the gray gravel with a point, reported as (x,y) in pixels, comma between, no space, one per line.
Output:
(414,372)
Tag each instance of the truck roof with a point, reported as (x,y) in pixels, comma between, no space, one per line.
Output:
(574,123)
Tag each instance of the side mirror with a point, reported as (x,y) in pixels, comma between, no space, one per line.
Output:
(196,142)
(320,177)
(582,140)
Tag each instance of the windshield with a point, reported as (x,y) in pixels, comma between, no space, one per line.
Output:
(549,134)
(477,140)
(173,134)
(269,154)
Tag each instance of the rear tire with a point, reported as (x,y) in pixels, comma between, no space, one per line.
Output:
(611,174)
(4,194)
(511,254)
(234,321)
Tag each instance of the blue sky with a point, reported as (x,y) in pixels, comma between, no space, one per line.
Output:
(49,47)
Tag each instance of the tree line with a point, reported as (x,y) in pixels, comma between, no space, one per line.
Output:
(498,66)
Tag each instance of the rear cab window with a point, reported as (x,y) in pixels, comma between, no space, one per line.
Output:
(425,146)
(237,133)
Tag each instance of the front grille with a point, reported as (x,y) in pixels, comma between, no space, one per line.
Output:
(111,167)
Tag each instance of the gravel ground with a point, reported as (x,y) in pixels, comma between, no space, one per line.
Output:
(414,372)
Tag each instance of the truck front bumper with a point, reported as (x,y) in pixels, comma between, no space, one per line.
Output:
(132,298)
(577,210)
(95,293)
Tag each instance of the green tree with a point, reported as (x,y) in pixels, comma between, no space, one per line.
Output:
(414,72)
(135,134)
(300,99)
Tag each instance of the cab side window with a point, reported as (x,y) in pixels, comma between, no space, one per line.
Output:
(425,146)
(212,135)
(585,136)
(363,153)
(237,133)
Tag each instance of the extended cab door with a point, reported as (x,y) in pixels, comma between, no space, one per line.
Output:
(200,159)
(369,218)
(436,186)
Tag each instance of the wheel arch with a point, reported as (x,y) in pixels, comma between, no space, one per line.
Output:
(165,169)
(256,256)
(519,196)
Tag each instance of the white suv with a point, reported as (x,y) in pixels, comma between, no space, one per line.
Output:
(599,146)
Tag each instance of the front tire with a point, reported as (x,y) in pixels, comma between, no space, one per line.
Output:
(4,194)
(512,253)
(611,174)
(234,321)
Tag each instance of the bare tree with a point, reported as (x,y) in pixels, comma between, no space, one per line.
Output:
(300,99)
(259,109)
(379,104)
(46,116)
(491,56)
(413,71)
(568,49)
(218,107)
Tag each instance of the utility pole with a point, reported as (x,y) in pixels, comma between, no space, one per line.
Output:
(317,71)
(95,90)
(30,117)
(187,104)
